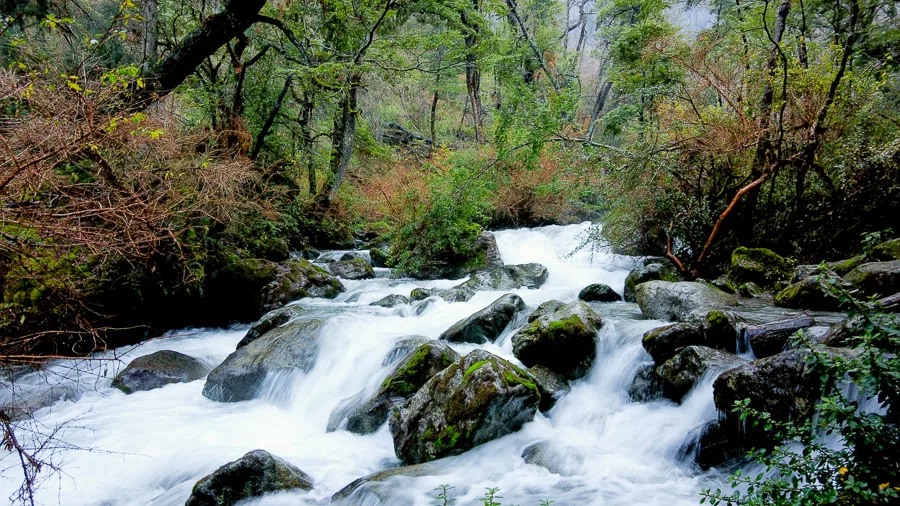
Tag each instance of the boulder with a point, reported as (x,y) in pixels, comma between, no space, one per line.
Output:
(876,278)
(680,373)
(722,283)
(391,301)
(758,265)
(290,347)
(400,384)
(477,399)
(268,322)
(379,257)
(418,294)
(159,369)
(598,293)
(507,277)
(547,308)
(661,300)
(550,385)
(814,293)
(256,473)
(487,324)
(651,272)
(664,342)
(751,289)
(249,288)
(402,348)
(354,268)
(886,251)
(770,338)
(563,341)
(488,244)
(480,252)
(646,385)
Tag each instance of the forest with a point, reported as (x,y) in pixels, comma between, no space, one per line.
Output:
(155,153)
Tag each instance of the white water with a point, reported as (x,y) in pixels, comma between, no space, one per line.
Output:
(149,448)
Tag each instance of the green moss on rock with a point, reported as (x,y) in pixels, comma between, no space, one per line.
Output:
(758,265)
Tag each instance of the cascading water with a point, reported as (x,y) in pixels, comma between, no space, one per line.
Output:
(151,447)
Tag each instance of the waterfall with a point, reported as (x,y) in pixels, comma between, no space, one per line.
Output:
(149,448)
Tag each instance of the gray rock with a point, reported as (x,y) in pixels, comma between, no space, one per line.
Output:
(664,342)
(253,475)
(680,373)
(159,369)
(751,289)
(650,272)
(661,300)
(876,278)
(564,341)
(598,293)
(771,338)
(403,347)
(391,301)
(550,385)
(564,461)
(886,251)
(487,324)
(646,386)
(547,308)
(478,399)
(297,279)
(377,488)
(508,277)
(815,293)
(355,268)
(269,321)
(291,347)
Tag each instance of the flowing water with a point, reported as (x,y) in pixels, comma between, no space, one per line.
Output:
(149,448)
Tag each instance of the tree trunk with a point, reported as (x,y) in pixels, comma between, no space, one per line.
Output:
(149,13)
(473,74)
(434,101)
(305,120)
(342,140)
(598,108)
(261,138)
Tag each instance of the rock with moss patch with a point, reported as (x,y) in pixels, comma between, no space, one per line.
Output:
(480,252)
(400,384)
(563,341)
(876,278)
(886,251)
(379,257)
(269,321)
(354,268)
(770,338)
(487,324)
(664,342)
(547,308)
(391,301)
(292,347)
(751,289)
(661,300)
(680,373)
(758,265)
(598,293)
(159,369)
(814,293)
(550,385)
(476,400)
(256,473)
(651,272)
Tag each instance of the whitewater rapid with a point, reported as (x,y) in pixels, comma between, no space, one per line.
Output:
(149,448)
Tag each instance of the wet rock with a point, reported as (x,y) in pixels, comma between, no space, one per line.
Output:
(488,244)
(709,446)
(547,308)
(680,373)
(291,347)
(563,341)
(418,294)
(508,277)
(771,338)
(598,293)
(751,289)
(661,300)
(400,384)
(550,385)
(268,322)
(379,257)
(159,369)
(391,301)
(758,265)
(478,399)
(646,386)
(561,460)
(722,283)
(19,402)
(355,268)
(652,272)
(814,293)
(886,251)
(876,278)
(376,489)
(664,342)
(487,324)
(253,475)
(402,348)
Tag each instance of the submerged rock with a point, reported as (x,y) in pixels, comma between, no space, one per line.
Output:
(291,347)
(391,301)
(372,490)
(598,293)
(475,400)
(652,272)
(487,324)
(159,369)
(256,473)
(876,278)
(758,265)
(561,460)
(680,373)
(269,321)
(661,300)
(563,341)
(354,268)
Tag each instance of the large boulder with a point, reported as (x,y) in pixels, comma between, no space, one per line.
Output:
(770,338)
(563,341)
(487,324)
(256,473)
(477,399)
(249,288)
(814,292)
(598,293)
(291,347)
(758,265)
(661,300)
(876,278)
(664,342)
(391,301)
(353,268)
(680,373)
(649,272)
(886,251)
(159,369)
(269,321)
(400,384)
(545,309)
(480,253)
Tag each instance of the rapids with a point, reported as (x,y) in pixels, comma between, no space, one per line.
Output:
(149,448)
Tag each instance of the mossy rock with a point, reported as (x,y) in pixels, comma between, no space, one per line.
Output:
(680,373)
(379,257)
(159,369)
(886,251)
(758,265)
(664,342)
(813,293)
(650,272)
(253,475)
(876,278)
(751,289)
(352,268)
(563,341)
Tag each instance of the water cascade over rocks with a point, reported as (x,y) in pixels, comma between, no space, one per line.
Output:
(537,426)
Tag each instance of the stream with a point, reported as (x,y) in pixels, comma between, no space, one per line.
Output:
(151,447)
